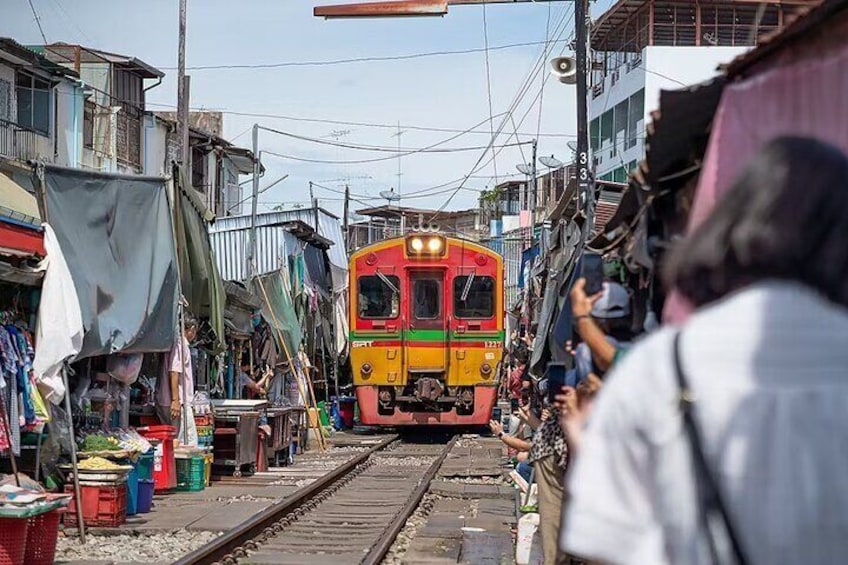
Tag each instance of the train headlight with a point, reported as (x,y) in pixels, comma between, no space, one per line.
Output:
(426,246)
(486,369)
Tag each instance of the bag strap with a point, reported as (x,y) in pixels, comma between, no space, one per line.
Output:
(713,509)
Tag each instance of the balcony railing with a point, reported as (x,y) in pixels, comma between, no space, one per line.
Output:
(23,144)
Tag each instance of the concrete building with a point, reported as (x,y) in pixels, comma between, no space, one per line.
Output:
(216,164)
(113,136)
(40,111)
(641,47)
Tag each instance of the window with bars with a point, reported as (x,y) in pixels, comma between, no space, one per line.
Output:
(33,98)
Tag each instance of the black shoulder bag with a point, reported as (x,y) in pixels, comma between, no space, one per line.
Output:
(725,548)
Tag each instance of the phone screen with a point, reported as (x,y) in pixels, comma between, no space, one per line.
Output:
(592,269)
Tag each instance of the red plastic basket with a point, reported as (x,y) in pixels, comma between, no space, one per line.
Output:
(102,506)
(13,537)
(41,538)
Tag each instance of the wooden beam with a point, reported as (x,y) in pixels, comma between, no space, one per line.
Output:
(402,8)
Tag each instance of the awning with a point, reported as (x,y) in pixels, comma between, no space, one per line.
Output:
(201,283)
(17,205)
(17,241)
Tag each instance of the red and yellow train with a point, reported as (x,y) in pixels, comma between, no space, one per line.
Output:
(426,330)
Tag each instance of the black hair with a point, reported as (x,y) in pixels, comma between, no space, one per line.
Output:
(522,354)
(786,217)
(189,321)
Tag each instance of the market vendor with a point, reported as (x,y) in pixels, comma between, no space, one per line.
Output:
(253,387)
(175,390)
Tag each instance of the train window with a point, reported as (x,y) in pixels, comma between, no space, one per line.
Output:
(377,299)
(426,299)
(473,297)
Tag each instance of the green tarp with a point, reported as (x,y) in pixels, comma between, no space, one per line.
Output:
(278,308)
(201,283)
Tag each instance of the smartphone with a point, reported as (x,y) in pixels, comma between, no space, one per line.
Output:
(592,269)
(555,374)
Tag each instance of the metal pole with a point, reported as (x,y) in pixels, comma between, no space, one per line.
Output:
(251,252)
(74,465)
(182,95)
(185,150)
(345,220)
(533,185)
(583,181)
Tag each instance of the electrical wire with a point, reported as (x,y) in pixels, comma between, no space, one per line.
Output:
(374,59)
(489,84)
(37,21)
(516,101)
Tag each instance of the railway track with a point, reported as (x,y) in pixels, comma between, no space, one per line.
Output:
(352,515)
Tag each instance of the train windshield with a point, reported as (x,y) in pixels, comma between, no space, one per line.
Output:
(427,298)
(379,296)
(473,297)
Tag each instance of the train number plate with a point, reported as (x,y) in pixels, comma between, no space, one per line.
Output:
(493,344)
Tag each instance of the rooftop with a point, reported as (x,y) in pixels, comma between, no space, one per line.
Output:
(630,25)
(70,54)
(387,211)
(16,53)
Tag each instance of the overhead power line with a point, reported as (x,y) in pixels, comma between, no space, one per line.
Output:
(374,59)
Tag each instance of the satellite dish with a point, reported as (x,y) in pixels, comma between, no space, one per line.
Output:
(525,168)
(390,195)
(572,145)
(551,162)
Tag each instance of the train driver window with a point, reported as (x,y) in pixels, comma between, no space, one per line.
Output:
(426,299)
(379,296)
(474,297)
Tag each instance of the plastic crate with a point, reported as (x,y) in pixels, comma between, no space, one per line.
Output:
(13,537)
(102,506)
(205,435)
(191,473)
(42,535)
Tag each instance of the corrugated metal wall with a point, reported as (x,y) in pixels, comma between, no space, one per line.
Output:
(329,226)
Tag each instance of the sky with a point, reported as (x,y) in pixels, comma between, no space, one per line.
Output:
(445,92)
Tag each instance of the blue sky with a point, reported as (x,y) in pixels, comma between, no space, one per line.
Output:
(447,92)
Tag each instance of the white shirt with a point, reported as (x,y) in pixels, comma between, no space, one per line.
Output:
(769,370)
(175,362)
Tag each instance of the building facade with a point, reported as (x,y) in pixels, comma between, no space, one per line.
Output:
(641,47)
(40,111)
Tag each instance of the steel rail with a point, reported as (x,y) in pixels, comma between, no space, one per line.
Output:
(379,551)
(235,538)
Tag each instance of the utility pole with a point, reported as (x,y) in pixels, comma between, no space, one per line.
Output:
(345,220)
(251,252)
(314,205)
(586,197)
(182,95)
(533,191)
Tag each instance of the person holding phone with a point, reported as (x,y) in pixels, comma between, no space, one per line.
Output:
(602,320)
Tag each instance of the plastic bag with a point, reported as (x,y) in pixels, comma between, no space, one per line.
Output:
(124,368)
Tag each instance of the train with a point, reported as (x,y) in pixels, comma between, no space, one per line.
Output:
(426,330)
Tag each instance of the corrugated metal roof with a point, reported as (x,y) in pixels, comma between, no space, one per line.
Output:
(230,237)
(328,227)
(273,245)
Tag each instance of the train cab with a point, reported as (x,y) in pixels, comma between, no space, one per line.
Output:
(426,322)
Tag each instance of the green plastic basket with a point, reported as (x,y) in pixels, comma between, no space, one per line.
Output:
(191,474)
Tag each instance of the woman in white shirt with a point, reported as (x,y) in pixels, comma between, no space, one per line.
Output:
(764,366)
